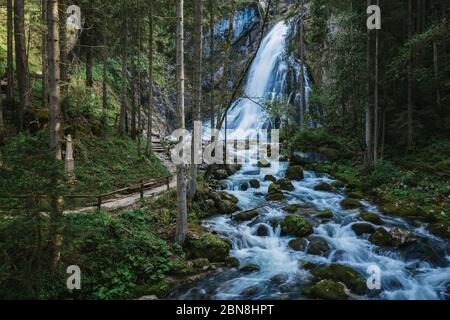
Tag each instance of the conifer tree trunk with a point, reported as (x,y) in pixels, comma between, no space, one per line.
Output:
(376,98)
(212,111)
(123,94)
(10,54)
(22,75)
(150,81)
(181,230)
(196,110)
(410,80)
(55,125)
(64,68)
(44,50)
(369,140)
(302,71)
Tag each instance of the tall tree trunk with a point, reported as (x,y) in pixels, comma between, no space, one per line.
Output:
(196,110)
(369,140)
(55,123)
(89,65)
(44,56)
(150,81)
(10,55)
(64,63)
(301,123)
(123,94)
(436,75)
(376,99)
(2,126)
(410,81)
(22,75)
(212,111)
(105,54)
(181,230)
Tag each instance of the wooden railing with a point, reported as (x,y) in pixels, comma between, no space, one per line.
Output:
(140,187)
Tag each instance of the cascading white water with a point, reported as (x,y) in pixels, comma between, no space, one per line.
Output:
(420,272)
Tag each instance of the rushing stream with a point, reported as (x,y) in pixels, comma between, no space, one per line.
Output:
(421,271)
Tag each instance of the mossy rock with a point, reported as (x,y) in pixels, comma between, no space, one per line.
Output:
(340,273)
(227,207)
(299,244)
(249,268)
(306,265)
(325,187)
(228,197)
(262,231)
(285,185)
(354,186)
(275,197)
(208,246)
(372,218)
(338,184)
(292,208)
(363,228)
(245,215)
(318,246)
(274,188)
(441,229)
(380,237)
(279,278)
(295,173)
(325,215)
(296,226)
(350,204)
(270,177)
(254,183)
(264,164)
(232,262)
(326,290)
(244,187)
(356,195)
(251,291)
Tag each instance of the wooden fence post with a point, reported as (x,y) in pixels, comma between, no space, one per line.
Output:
(99,203)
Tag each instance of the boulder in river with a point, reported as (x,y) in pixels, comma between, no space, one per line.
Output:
(295,173)
(296,226)
(244,187)
(441,229)
(380,237)
(229,197)
(292,208)
(232,262)
(262,231)
(372,218)
(279,278)
(363,228)
(325,187)
(318,246)
(251,291)
(325,215)
(255,184)
(350,204)
(326,290)
(275,193)
(340,273)
(208,246)
(396,237)
(299,244)
(264,164)
(285,185)
(307,265)
(270,177)
(249,268)
(245,215)
(227,207)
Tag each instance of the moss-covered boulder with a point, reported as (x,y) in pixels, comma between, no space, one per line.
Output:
(285,185)
(325,215)
(275,193)
(326,290)
(372,218)
(380,237)
(295,173)
(249,268)
(307,265)
(340,273)
(363,228)
(245,215)
(318,246)
(325,187)
(401,237)
(356,195)
(338,184)
(299,244)
(232,262)
(251,291)
(292,208)
(296,226)
(262,231)
(270,177)
(208,246)
(350,204)
(227,207)
(228,197)
(254,183)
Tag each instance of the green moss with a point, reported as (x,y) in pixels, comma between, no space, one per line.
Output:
(327,290)
(340,273)
(350,204)
(296,226)
(295,173)
(208,246)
